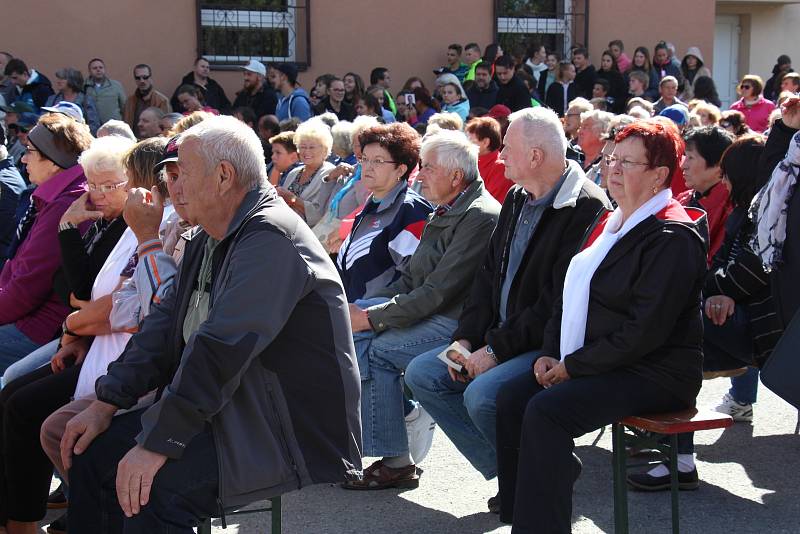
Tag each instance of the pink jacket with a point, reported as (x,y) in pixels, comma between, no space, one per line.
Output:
(623,62)
(757,115)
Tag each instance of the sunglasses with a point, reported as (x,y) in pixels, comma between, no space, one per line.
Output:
(747,87)
(142,77)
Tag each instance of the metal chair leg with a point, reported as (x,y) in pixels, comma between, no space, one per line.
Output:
(276,515)
(673,482)
(620,483)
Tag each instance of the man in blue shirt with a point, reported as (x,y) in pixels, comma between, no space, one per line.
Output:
(293,102)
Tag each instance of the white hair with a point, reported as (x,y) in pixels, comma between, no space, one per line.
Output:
(542,128)
(601,120)
(314,130)
(452,150)
(105,155)
(118,128)
(226,138)
(639,112)
(451,79)
(3,151)
(361,123)
(580,104)
(330,119)
(446,120)
(342,133)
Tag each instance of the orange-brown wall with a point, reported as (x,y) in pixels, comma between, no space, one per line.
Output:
(645,22)
(345,34)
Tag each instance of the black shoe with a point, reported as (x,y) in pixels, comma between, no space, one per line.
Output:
(494,504)
(57,500)
(59,526)
(645,482)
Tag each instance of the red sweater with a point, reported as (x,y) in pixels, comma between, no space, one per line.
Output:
(717,205)
(493,173)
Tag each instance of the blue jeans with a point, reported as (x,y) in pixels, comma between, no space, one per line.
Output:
(36,359)
(467,413)
(382,358)
(744,388)
(14,345)
(184,491)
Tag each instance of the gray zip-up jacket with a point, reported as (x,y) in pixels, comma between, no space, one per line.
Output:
(272,369)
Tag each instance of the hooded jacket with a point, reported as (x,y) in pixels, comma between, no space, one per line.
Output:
(540,276)
(35,92)
(644,305)
(692,75)
(272,369)
(296,104)
(460,108)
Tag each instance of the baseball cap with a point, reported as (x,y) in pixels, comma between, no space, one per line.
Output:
(498,110)
(256,66)
(18,107)
(677,113)
(69,109)
(170,153)
(26,120)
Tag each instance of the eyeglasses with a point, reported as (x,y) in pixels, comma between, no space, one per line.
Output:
(625,163)
(374,162)
(142,77)
(337,90)
(105,188)
(30,149)
(747,86)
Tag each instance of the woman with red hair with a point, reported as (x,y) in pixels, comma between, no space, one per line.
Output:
(485,133)
(625,337)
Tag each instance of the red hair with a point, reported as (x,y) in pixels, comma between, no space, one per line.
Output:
(663,145)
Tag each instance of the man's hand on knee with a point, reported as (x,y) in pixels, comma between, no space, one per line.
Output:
(135,474)
(83,428)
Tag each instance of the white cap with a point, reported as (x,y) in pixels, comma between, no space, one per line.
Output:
(256,66)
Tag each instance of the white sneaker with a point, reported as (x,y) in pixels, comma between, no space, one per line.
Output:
(419,427)
(739,412)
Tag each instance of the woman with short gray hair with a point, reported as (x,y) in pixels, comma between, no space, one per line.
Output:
(69,88)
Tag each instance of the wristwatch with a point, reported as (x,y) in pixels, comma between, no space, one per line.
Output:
(490,352)
(66,331)
(66,226)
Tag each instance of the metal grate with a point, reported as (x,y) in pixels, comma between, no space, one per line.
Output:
(557,24)
(231,32)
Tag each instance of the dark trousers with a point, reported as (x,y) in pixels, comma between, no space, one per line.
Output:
(536,427)
(725,347)
(184,491)
(25,470)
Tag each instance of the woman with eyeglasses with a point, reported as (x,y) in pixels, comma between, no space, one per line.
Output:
(752,104)
(31,311)
(87,233)
(624,339)
(334,101)
(387,230)
(89,341)
(306,188)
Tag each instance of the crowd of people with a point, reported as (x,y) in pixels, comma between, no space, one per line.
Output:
(204,303)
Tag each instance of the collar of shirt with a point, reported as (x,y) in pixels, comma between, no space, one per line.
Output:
(56,185)
(441,209)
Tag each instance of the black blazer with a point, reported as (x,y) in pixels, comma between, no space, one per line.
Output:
(538,280)
(79,269)
(555,97)
(644,307)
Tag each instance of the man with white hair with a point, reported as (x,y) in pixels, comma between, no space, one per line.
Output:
(419,310)
(257,383)
(542,222)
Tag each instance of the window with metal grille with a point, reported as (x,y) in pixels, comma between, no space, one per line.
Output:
(556,24)
(231,32)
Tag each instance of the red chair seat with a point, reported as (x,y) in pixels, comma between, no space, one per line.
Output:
(691,420)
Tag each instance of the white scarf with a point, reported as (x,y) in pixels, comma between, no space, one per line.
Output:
(584,264)
(771,205)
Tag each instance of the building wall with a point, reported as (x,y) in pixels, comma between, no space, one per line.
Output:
(345,35)
(643,23)
(766,31)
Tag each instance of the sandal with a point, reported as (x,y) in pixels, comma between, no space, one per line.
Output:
(379,476)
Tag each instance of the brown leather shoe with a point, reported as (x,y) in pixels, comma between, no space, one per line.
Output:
(379,476)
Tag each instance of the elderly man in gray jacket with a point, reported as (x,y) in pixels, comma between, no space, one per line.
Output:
(258,388)
(418,311)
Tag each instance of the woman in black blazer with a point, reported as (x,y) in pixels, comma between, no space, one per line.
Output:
(563,90)
(625,337)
